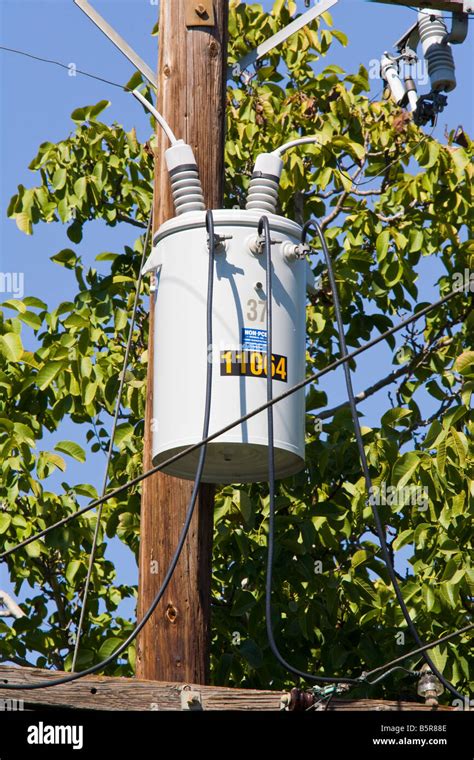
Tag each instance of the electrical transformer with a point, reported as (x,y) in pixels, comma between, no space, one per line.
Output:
(180,260)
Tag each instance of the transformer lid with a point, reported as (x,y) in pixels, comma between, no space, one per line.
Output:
(222,218)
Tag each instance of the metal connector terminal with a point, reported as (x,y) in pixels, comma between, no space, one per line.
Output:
(219,242)
(257,244)
(295,252)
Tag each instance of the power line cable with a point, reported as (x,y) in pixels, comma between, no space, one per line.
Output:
(146,103)
(258,410)
(111,444)
(190,511)
(264,226)
(64,66)
(430,13)
(364,462)
(166,126)
(418,650)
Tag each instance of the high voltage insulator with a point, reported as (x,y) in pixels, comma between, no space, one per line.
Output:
(265,182)
(437,50)
(184,177)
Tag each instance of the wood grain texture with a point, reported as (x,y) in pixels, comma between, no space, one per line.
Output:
(174,645)
(103,693)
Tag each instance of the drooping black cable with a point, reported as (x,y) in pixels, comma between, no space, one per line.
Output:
(264,227)
(63,66)
(258,410)
(416,651)
(118,404)
(365,465)
(189,513)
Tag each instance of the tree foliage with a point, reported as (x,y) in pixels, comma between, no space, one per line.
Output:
(389,197)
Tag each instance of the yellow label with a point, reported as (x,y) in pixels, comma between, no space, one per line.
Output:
(253,364)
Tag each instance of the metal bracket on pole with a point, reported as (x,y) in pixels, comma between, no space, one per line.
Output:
(320,7)
(199,13)
(410,39)
(117,40)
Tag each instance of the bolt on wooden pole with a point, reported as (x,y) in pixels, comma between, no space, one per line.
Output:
(174,645)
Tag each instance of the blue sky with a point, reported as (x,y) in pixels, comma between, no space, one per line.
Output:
(37,100)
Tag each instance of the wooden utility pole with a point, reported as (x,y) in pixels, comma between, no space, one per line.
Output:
(174,645)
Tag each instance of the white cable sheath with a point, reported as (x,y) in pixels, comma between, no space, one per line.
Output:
(160,119)
(301,141)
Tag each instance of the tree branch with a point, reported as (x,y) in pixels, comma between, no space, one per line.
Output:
(342,199)
(131,220)
(370,391)
(399,215)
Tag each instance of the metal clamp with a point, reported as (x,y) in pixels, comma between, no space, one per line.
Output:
(220,244)
(190,700)
(256,244)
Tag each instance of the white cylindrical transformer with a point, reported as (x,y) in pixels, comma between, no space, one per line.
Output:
(180,259)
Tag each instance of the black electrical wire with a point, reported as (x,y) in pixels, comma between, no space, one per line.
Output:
(264,227)
(190,511)
(118,404)
(63,66)
(128,89)
(430,13)
(416,651)
(258,410)
(363,458)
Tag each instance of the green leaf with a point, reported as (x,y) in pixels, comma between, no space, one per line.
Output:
(464,364)
(108,647)
(47,374)
(71,449)
(382,244)
(89,113)
(460,160)
(74,232)
(123,432)
(14,303)
(71,569)
(460,445)
(252,653)
(439,655)
(34,549)
(5,521)
(245,505)
(59,179)
(80,187)
(359,558)
(441,456)
(23,222)
(11,347)
(415,240)
(85,489)
(395,415)
(67,258)
(243,602)
(90,393)
(106,256)
(404,468)
(429,598)
(55,459)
